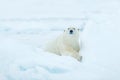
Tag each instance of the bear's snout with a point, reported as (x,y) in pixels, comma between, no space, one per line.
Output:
(71,31)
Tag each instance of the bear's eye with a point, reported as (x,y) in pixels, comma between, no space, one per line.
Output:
(74,28)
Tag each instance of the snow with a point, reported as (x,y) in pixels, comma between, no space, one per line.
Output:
(26,25)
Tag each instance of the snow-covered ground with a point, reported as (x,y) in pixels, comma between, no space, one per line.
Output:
(26,25)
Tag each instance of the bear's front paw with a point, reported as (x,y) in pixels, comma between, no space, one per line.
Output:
(80,58)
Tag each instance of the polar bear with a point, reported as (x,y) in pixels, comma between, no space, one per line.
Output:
(66,44)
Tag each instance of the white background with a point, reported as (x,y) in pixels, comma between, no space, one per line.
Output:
(26,25)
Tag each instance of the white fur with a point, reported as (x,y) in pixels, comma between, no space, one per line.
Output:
(66,44)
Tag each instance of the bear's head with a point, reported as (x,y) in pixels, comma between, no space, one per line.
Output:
(72,31)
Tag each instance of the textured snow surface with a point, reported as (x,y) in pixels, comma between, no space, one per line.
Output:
(26,25)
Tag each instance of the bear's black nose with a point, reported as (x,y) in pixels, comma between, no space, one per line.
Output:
(71,31)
